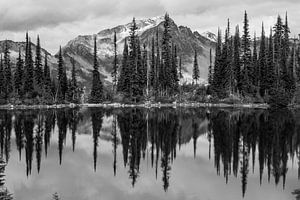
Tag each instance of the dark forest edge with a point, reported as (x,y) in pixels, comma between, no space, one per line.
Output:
(266,75)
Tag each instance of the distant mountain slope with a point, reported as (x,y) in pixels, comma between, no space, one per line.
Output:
(81,48)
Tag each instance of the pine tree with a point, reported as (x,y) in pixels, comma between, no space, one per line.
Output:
(157,66)
(255,70)
(47,87)
(2,81)
(217,86)
(210,69)
(97,87)
(287,75)
(29,70)
(62,79)
(124,78)
(246,59)
(278,49)
(74,84)
(196,74)
(152,65)
(38,72)
(262,64)
(165,80)
(19,75)
(7,71)
(271,78)
(174,70)
(237,61)
(180,68)
(115,63)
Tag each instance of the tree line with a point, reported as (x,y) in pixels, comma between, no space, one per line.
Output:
(136,81)
(263,70)
(31,82)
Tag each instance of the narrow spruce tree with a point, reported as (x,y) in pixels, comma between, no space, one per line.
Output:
(210,69)
(271,76)
(262,64)
(18,83)
(29,70)
(124,78)
(115,64)
(166,59)
(196,73)
(38,71)
(217,86)
(97,87)
(180,68)
(237,61)
(2,82)
(152,65)
(174,70)
(255,69)
(62,79)
(246,59)
(74,84)
(7,69)
(47,84)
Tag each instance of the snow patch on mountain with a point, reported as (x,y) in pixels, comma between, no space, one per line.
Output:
(209,35)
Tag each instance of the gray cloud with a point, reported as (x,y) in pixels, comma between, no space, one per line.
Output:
(58,21)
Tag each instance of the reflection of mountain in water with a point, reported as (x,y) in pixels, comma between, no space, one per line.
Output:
(234,138)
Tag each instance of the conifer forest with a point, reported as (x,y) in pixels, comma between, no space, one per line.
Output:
(243,68)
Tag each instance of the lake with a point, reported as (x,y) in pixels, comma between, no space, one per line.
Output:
(136,153)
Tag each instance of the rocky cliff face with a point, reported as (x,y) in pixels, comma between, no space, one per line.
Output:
(81,48)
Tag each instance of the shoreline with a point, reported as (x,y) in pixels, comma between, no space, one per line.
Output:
(144,105)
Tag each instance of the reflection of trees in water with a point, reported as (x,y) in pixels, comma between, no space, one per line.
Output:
(4,193)
(97,115)
(235,136)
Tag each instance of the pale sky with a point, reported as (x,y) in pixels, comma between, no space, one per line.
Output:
(58,21)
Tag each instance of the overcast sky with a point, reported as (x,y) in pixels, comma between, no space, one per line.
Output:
(58,21)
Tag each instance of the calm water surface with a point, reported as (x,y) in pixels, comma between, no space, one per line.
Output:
(93,153)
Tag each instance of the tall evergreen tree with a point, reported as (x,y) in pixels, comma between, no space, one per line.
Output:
(47,84)
(237,61)
(74,84)
(2,80)
(262,64)
(7,70)
(166,59)
(174,70)
(271,78)
(210,69)
(115,63)
(246,59)
(196,73)
(97,87)
(38,72)
(180,68)
(152,65)
(62,78)
(255,70)
(19,75)
(124,78)
(217,86)
(29,70)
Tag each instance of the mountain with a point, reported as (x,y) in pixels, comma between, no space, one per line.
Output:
(14,52)
(81,49)
(209,35)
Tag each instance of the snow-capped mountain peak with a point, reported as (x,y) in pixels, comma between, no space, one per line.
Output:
(209,35)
